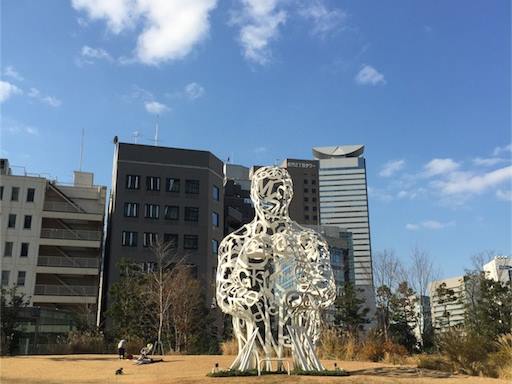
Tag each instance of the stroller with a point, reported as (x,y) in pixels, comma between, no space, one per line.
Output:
(144,358)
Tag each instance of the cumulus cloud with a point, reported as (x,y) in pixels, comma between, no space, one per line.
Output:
(51,101)
(194,91)
(500,150)
(89,55)
(170,29)
(369,76)
(259,22)
(429,224)
(155,108)
(470,183)
(488,161)
(11,72)
(440,166)
(8,90)
(391,167)
(324,20)
(380,194)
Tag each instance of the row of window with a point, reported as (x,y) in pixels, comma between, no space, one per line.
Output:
(9,245)
(20,281)
(171,212)
(171,185)
(306,199)
(15,194)
(27,221)
(190,242)
(313,190)
(313,182)
(314,217)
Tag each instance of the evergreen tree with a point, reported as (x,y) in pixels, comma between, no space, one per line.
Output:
(11,303)
(403,316)
(350,315)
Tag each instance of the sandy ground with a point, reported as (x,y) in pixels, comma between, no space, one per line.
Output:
(74,369)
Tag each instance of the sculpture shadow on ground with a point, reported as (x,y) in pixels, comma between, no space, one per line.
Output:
(401,372)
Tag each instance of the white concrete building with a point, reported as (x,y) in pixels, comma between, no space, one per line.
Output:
(499,269)
(51,236)
(344,203)
(447,313)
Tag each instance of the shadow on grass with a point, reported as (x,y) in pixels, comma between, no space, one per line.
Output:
(110,359)
(401,372)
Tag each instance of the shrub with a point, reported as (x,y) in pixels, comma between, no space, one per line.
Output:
(229,347)
(435,362)
(335,345)
(394,353)
(86,342)
(372,349)
(501,360)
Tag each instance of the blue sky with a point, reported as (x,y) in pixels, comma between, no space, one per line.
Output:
(424,85)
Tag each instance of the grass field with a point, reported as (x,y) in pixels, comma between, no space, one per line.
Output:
(73,369)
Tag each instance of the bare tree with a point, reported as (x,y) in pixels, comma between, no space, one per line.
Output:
(483,257)
(388,269)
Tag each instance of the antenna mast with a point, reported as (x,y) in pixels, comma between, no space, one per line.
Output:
(82,149)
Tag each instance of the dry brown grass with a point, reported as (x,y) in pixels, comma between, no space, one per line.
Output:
(88,369)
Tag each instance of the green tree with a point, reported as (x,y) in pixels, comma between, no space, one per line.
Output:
(445,296)
(350,315)
(403,319)
(11,303)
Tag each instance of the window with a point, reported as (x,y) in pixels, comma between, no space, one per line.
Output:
(306,190)
(192,214)
(172,212)
(5,278)
(131,209)
(15,192)
(172,185)
(216,193)
(129,239)
(305,181)
(21,279)
(152,211)
(171,238)
(12,221)
(1,192)
(8,248)
(149,266)
(306,208)
(24,250)
(313,190)
(306,199)
(215,247)
(215,219)
(132,181)
(192,186)
(30,195)
(27,222)
(306,217)
(313,199)
(149,239)
(315,217)
(190,242)
(314,209)
(152,183)
(313,182)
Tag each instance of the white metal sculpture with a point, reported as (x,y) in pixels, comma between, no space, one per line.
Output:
(274,278)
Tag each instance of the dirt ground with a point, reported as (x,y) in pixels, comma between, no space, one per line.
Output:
(85,369)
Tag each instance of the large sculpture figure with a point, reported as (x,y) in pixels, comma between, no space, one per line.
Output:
(274,277)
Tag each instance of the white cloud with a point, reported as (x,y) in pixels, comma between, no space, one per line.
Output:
(51,101)
(429,224)
(324,20)
(170,29)
(505,195)
(194,91)
(89,54)
(12,73)
(369,76)
(14,127)
(391,167)
(488,162)
(7,90)
(260,149)
(259,22)
(379,194)
(155,108)
(505,149)
(440,166)
(468,183)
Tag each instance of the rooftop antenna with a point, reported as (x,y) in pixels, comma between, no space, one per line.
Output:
(156,130)
(82,149)
(135,136)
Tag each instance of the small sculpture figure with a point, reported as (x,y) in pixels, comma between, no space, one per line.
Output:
(274,277)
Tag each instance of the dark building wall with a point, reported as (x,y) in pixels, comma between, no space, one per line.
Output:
(305,205)
(182,164)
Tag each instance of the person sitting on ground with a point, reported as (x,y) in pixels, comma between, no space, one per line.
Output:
(121,348)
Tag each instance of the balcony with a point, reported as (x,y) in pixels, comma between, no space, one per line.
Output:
(68,234)
(65,290)
(60,206)
(67,262)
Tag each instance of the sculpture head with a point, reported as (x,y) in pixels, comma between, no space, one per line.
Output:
(271,192)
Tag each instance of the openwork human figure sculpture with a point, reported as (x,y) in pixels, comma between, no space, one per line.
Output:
(274,278)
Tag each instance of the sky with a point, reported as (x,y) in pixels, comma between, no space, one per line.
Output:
(424,85)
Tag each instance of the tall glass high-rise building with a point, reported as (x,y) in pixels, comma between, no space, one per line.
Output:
(344,203)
